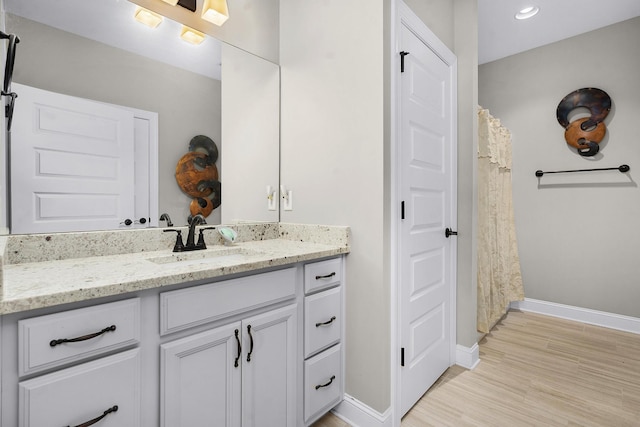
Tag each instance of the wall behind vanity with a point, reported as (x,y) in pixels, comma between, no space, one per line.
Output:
(335,156)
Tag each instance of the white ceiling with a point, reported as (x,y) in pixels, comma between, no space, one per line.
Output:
(501,35)
(111,22)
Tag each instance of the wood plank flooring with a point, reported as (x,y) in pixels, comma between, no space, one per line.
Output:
(537,371)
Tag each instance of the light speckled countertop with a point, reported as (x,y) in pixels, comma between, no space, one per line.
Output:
(50,269)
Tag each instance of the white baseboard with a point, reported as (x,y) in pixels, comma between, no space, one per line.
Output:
(468,357)
(356,413)
(579,314)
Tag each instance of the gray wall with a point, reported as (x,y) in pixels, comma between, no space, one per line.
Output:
(466,49)
(332,116)
(439,16)
(578,234)
(187,104)
(335,146)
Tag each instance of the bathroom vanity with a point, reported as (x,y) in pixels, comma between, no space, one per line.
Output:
(243,335)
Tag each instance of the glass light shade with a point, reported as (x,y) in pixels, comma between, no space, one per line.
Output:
(192,36)
(215,11)
(171,2)
(148,18)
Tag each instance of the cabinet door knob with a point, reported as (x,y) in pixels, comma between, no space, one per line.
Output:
(54,343)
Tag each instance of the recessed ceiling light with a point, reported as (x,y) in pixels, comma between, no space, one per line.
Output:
(527,12)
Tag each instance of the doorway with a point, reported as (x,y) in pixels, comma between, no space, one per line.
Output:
(426,162)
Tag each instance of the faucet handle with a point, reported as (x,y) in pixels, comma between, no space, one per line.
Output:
(179,246)
(166,217)
(201,236)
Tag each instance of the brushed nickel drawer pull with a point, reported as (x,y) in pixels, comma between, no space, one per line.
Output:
(327,276)
(54,343)
(95,420)
(333,377)
(328,322)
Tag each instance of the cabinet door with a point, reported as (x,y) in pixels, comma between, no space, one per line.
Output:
(200,379)
(270,367)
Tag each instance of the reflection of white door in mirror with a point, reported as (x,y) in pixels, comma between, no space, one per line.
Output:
(75,164)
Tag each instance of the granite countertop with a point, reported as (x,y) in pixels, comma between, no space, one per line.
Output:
(46,270)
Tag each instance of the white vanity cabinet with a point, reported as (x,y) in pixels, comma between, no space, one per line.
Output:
(323,335)
(106,388)
(242,373)
(261,349)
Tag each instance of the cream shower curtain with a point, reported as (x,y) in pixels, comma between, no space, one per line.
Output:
(499,276)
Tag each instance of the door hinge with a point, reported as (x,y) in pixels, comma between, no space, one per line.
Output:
(402,55)
(402,356)
(402,210)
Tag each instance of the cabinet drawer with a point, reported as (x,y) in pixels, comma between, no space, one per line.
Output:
(198,305)
(322,382)
(321,275)
(322,320)
(36,352)
(76,395)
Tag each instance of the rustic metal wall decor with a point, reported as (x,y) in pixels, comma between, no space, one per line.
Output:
(586,133)
(197,176)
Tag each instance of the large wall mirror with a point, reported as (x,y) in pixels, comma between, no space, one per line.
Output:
(95,50)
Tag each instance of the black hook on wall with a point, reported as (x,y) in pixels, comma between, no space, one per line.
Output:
(8,75)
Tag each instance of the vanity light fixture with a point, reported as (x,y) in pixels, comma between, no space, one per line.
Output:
(527,12)
(192,36)
(215,11)
(148,18)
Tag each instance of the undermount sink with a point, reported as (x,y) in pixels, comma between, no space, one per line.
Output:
(224,254)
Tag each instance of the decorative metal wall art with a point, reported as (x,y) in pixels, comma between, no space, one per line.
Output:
(197,176)
(585,134)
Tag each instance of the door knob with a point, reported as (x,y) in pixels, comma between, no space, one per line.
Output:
(449,232)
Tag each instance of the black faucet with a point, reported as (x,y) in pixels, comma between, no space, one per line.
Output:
(166,217)
(191,245)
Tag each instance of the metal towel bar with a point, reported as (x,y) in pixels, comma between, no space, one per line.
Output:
(621,168)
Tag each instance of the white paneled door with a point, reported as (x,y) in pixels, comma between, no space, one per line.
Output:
(427,191)
(72,163)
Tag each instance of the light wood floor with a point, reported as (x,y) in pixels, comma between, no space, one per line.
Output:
(537,371)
